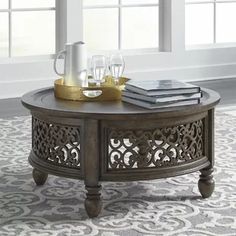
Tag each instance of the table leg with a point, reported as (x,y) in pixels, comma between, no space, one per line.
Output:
(93,203)
(206,184)
(39,177)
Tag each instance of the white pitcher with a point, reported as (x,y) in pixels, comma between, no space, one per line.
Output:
(75,64)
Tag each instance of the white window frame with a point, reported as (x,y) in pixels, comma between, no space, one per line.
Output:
(19,75)
(22,74)
(10,10)
(121,6)
(214,44)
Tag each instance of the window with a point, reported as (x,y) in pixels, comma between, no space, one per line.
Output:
(121,24)
(210,21)
(27,27)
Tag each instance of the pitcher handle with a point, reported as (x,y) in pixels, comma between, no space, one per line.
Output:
(63,52)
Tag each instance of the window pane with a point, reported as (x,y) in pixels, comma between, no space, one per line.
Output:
(225,22)
(4,35)
(199,24)
(99,2)
(101,28)
(3,4)
(139,27)
(140,1)
(33,33)
(32,3)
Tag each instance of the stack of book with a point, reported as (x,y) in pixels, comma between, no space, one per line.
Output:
(161,93)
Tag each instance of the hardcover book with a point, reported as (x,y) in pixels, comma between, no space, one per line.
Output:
(160,105)
(161,87)
(161,98)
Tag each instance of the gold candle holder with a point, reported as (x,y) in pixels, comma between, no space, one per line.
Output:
(108,91)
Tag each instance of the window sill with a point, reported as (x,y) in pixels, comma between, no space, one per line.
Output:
(125,52)
(210,46)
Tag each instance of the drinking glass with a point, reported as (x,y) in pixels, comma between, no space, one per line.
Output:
(98,66)
(116,66)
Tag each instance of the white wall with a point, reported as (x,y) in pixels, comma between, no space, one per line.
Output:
(19,78)
(25,77)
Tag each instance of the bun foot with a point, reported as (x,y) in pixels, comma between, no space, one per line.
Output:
(93,207)
(206,183)
(39,177)
(93,203)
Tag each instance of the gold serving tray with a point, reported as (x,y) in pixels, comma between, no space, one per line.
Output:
(108,91)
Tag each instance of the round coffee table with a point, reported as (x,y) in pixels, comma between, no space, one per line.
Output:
(117,141)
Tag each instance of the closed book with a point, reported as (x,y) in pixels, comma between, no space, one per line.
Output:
(161,87)
(150,105)
(161,98)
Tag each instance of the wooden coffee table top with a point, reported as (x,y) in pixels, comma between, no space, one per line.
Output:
(43,100)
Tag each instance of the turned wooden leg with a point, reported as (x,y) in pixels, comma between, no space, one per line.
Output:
(93,203)
(39,177)
(91,161)
(206,183)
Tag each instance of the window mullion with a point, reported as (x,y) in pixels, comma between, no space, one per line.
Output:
(120,25)
(120,4)
(172,22)
(10,29)
(69,22)
(214,21)
(165,25)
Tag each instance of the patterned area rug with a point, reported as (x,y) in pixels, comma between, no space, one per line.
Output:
(168,207)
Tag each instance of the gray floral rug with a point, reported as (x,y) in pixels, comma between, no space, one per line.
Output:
(168,207)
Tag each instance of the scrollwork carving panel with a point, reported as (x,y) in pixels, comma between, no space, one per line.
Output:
(155,148)
(56,144)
